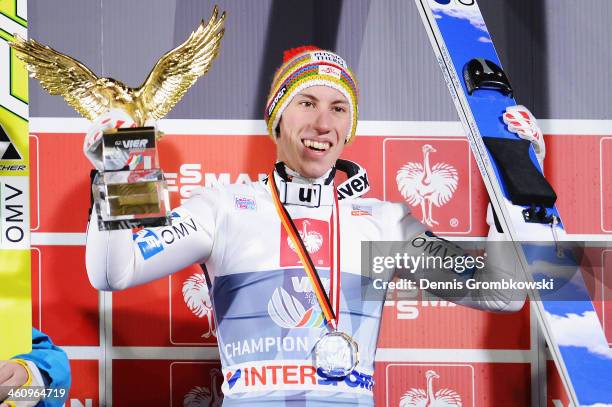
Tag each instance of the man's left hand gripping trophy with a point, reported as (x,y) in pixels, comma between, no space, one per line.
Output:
(129,189)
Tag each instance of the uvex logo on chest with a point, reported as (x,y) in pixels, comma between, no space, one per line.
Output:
(355,185)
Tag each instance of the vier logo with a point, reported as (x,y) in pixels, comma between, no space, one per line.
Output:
(132,143)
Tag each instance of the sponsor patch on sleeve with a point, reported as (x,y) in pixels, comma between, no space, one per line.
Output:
(148,242)
(245,202)
(361,210)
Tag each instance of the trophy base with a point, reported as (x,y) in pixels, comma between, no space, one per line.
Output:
(128,199)
(132,224)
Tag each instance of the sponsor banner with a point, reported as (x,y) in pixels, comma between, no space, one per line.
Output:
(84,389)
(415,323)
(605,158)
(605,304)
(60,184)
(163,383)
(596,266)
(141,315)
(14,214)
(408,384)
(172,311)
(190,162)
(314,234)
(194,384)
(13,93)
(555,391)
(64,304)
(35,266)
(382,163)
(452,384)
(15,311)
(13,151)
(34,185)
(191,316)
(433,176)
(15,307)
(582,188)
(290,375)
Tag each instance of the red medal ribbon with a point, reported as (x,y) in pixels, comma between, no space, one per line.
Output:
(330,305)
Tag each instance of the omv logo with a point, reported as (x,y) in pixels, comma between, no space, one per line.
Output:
(148,242)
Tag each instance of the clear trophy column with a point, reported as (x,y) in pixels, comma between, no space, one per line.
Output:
(132,190)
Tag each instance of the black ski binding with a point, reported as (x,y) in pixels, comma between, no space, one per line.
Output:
(481,73)
(524,184)
(535,214)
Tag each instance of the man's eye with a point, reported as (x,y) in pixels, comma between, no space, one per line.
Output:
(339,109)
(307,103)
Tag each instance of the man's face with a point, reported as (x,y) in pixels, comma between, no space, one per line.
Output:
(312,130)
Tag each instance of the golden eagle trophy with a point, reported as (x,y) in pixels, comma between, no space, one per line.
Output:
(130,189)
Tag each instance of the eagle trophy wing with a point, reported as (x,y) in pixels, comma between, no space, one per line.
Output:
(62,75)
(179,69)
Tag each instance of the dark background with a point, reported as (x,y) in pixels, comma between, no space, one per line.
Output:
(555,51)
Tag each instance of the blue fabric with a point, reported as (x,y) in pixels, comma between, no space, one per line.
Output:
(53,365)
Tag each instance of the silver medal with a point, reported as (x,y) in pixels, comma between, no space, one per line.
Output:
(336,354)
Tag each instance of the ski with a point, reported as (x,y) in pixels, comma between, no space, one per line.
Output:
(524,204)
(15,281)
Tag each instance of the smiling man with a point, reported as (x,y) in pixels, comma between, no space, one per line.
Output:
(283,254)
(315,126)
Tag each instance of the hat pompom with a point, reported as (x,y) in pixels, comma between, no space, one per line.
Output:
(290,53)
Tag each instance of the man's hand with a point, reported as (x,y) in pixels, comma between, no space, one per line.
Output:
(92,146)
(520,121)
(12,376)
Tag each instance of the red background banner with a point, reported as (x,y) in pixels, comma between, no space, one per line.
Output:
(172,348)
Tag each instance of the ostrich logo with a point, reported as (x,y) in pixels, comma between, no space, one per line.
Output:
(201,396)
(423,185)
(195,294)
(287,312)
(312,239)
(421,398)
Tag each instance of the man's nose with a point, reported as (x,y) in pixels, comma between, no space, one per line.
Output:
(323,121)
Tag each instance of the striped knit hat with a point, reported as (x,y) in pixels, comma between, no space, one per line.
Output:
(304,67)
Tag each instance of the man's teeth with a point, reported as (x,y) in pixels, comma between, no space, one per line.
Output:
(319,145)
